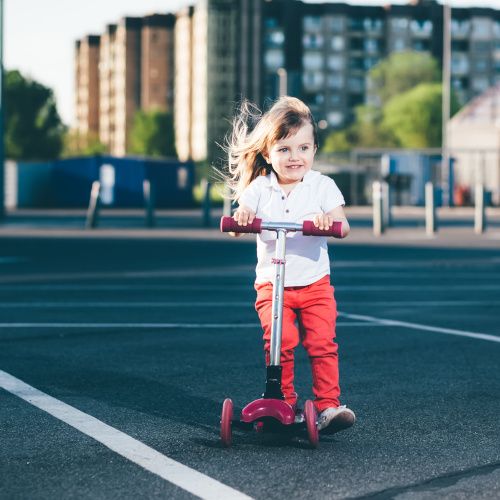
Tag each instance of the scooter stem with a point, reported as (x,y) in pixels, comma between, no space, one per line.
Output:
(277,304)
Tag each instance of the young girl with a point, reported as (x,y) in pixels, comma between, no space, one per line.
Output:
(270,166)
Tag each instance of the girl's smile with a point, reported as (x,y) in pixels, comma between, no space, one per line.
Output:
(292,157)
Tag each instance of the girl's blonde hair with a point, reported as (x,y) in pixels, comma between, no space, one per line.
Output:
(254,133)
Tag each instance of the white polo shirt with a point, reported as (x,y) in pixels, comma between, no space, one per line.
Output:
(306,256)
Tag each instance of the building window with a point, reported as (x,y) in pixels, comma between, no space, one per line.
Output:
(371,45)
(369,62)
(338,43)
(356,84)
(312,61)
(271,22)
(480,84)
(275,39)
(356,44)
(399,23)
(480,47)
(356,63)
(481,64)
(274,59)
(459,64)
(481,28)
(335,118)
(312,41)
(421,27)
(356,24)
(460,27)
(421,45)
(335,81)
(335,99)
(371,24)
(335,24)
(399,45)
(496,29)
(312,23)
(312,80)
(335,62)
(460,45)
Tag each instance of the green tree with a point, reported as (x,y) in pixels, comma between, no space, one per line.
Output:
(33,128)
(78,144)
(152,134)
(414,117)
(375,123)
(400,72)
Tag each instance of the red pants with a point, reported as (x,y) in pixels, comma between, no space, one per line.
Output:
(315,310)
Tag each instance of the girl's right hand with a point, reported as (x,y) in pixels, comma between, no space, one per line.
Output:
(244,216)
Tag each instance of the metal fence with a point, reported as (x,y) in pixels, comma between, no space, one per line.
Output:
(408,171)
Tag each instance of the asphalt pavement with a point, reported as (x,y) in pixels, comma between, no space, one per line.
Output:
(118,346)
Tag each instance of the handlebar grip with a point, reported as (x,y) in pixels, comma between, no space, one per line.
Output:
(309,229)
(229,225)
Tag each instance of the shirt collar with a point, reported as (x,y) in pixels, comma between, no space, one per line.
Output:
(307,179)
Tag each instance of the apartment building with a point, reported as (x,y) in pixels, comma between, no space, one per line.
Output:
(217,62)
(327,49)
(87,85)
(135,71)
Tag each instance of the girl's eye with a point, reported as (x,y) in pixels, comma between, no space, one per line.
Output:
(283,150)
(305,148)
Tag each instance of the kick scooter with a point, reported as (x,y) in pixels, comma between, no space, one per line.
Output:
(271,410)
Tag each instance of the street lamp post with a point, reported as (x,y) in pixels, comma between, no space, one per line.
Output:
(446,178)
(283,82)
(2,210)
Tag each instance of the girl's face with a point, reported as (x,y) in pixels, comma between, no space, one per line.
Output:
(293,156)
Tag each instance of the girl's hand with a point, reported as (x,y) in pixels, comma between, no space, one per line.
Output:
(244,216)
(323,221)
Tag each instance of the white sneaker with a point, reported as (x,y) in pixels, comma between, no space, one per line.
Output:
(334,420)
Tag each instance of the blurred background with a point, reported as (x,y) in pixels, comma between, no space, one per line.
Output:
(121,92)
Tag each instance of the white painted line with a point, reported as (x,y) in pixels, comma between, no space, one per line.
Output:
(230,288)
(224,304)
(100,305)
(155,325)
(417,326)
(174,472)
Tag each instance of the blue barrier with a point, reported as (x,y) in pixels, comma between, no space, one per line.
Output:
(67,182)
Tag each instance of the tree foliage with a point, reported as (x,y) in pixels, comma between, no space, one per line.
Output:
(33,128)
(78,144)
(152,134)
(415,116)
(400,72)
(404,107)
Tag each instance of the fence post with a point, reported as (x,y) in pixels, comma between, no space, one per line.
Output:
(378,218)
(386,204)
(94,205)
(149,202)
(430,209)
(479,210)
(205,190)
(228,202)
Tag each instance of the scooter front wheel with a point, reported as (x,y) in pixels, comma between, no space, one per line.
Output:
(226,434)
(311,418)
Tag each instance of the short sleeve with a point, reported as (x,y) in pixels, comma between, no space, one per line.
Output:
(251,195)
(332,196)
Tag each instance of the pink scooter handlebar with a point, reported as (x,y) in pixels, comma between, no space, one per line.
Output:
(228,224)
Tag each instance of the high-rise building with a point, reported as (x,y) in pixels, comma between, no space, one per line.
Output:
(218,58)
(135,60)
(87,85)
(327,49)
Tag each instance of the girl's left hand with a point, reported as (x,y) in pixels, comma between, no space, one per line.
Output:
(323,221)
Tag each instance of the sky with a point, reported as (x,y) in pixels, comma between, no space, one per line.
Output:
(39,35)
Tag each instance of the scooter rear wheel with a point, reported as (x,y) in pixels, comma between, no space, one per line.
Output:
(226,434)
(311,418)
